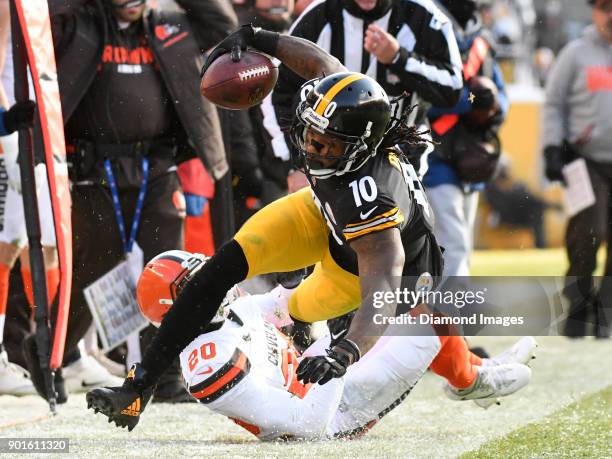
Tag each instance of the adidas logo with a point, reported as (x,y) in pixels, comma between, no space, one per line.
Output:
(133,409)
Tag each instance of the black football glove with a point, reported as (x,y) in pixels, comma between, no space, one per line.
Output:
(19,116)
(323,369)
(554,162)
(238,41)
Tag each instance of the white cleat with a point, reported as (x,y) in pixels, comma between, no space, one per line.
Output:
(86,373)
(493,382)
(523,351)
(14,380)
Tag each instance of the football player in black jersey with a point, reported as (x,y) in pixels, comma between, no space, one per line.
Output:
(364,223)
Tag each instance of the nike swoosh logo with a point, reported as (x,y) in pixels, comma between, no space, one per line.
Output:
(367,214)
(337,334)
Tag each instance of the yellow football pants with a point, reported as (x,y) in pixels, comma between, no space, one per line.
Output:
(290,234)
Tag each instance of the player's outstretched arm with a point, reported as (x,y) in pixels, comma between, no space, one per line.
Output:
(306,58)
(302,56)
(381,260)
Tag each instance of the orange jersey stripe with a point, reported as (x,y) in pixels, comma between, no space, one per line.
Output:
(291,382)
(225,379)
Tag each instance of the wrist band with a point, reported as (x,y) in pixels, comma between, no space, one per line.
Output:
(350,347)
(266,41)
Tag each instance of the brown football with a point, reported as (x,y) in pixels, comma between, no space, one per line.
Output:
(239,85)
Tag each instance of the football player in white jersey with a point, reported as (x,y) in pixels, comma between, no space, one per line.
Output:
(241,366)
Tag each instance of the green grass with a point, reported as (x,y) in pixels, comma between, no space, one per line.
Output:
(582,429)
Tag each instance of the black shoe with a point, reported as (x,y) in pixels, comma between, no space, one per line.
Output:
(170,388)
(30,351)
(172,391)
(122,405)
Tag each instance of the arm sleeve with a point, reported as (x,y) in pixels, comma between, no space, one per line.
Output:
(281,412)
(433,68)
(554,128)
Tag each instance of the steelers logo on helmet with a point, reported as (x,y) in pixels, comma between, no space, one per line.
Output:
(339,124)
(165,276)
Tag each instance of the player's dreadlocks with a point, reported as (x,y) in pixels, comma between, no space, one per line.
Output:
(399,132)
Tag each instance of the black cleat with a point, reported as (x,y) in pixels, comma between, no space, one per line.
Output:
(122,405)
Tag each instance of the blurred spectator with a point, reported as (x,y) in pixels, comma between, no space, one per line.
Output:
(13,379)
(512,23)
(512,203)
(550,29)
(543,61)
(485,9)
(268,14)
(467,132)
(578,122)
(129,83)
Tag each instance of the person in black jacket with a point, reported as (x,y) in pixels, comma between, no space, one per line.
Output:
(129,85)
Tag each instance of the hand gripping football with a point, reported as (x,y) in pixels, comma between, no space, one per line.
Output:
(239,85)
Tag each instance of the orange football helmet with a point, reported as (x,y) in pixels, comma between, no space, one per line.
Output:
(164,277)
